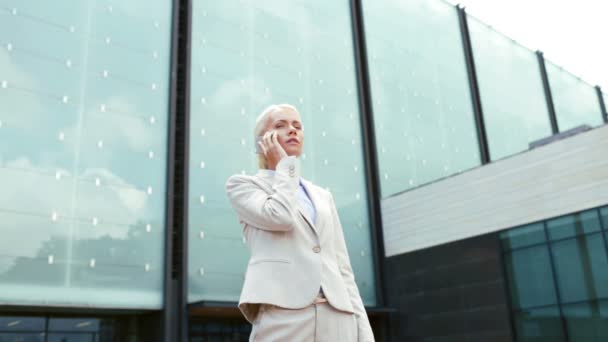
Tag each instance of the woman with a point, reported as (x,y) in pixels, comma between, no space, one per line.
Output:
(299,285)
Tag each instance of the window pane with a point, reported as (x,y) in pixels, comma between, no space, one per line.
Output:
(587,322)
(512,95)
(74,324)
(84,91)
(246,56)
(67,337)
(571,225)
(539,325)
(575,101)
(424,122)
(530,277)
(22,337)
(604,214)
(523,236)
(582,268)
(16,323)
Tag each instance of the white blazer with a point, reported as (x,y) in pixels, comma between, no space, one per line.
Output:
(291,258)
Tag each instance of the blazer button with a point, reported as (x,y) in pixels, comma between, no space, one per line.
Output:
(316,249)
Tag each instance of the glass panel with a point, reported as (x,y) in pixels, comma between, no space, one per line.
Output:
(582,268)
(16,323)
(587,322)
(71,337)
(74,324)
(424,122)
(575,101)
(246,56)
(604,215)
(523,236)
(22,337)
(84,87)
(530,277)
(512,96)
(539,325)
(571,225)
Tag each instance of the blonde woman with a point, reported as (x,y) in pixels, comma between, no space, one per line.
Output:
(299,284)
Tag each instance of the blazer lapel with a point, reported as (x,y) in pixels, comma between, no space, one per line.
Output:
(314,199)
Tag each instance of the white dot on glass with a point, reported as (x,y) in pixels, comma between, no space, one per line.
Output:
(102,108)
(153,86)
(243,142)
(148,228)
(95,221)
(386,176)
(110,8)
(68,63)
(353,141)
(325,161)
(203,132)
(203,70)
(243,172)
(323,133)
(203,100)
(303,156)
(61,136)
(58,175)
(152,120)
(202,165)
(100,144)
(383,150)
(14,11)
(244,240)
(356,168)
(54,216)
(242,110)
(4,84)
(267,90)
(51,259)
(92,263)
(301,100)
(320,81)
(362,253)
(97,182)
(351,116)
(149,190)
(72,29)
(65,99)
(201,271)
(201,235)
(151,154)
(108,40)
(147,267)
(411,182)
(156,24)
(105,73)
(299,74)
(357,196)
(202,199)
(322,107)
(155,55)
(9,47)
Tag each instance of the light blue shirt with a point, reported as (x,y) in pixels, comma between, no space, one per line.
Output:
(303,199)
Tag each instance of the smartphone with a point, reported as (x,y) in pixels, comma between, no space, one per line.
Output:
(258,148)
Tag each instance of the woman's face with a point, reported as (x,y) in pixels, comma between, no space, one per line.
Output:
(290,133)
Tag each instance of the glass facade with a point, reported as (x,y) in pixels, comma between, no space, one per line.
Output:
(576,102)
(83,135)
(557,273)
(510,85)
(423,114)
(245,56)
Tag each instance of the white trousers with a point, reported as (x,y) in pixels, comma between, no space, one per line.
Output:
(314,323)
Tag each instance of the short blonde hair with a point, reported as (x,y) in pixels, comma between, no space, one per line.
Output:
(260,126)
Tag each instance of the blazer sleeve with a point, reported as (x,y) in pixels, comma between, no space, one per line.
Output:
(365,330)
(272,212)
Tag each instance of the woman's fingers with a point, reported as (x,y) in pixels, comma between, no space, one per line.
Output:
(277,146)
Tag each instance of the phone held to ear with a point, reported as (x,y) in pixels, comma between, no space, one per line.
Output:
(258,148)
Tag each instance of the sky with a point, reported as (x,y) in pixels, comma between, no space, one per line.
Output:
(571,34)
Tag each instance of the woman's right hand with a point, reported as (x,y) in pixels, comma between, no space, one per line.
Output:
(272,149)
